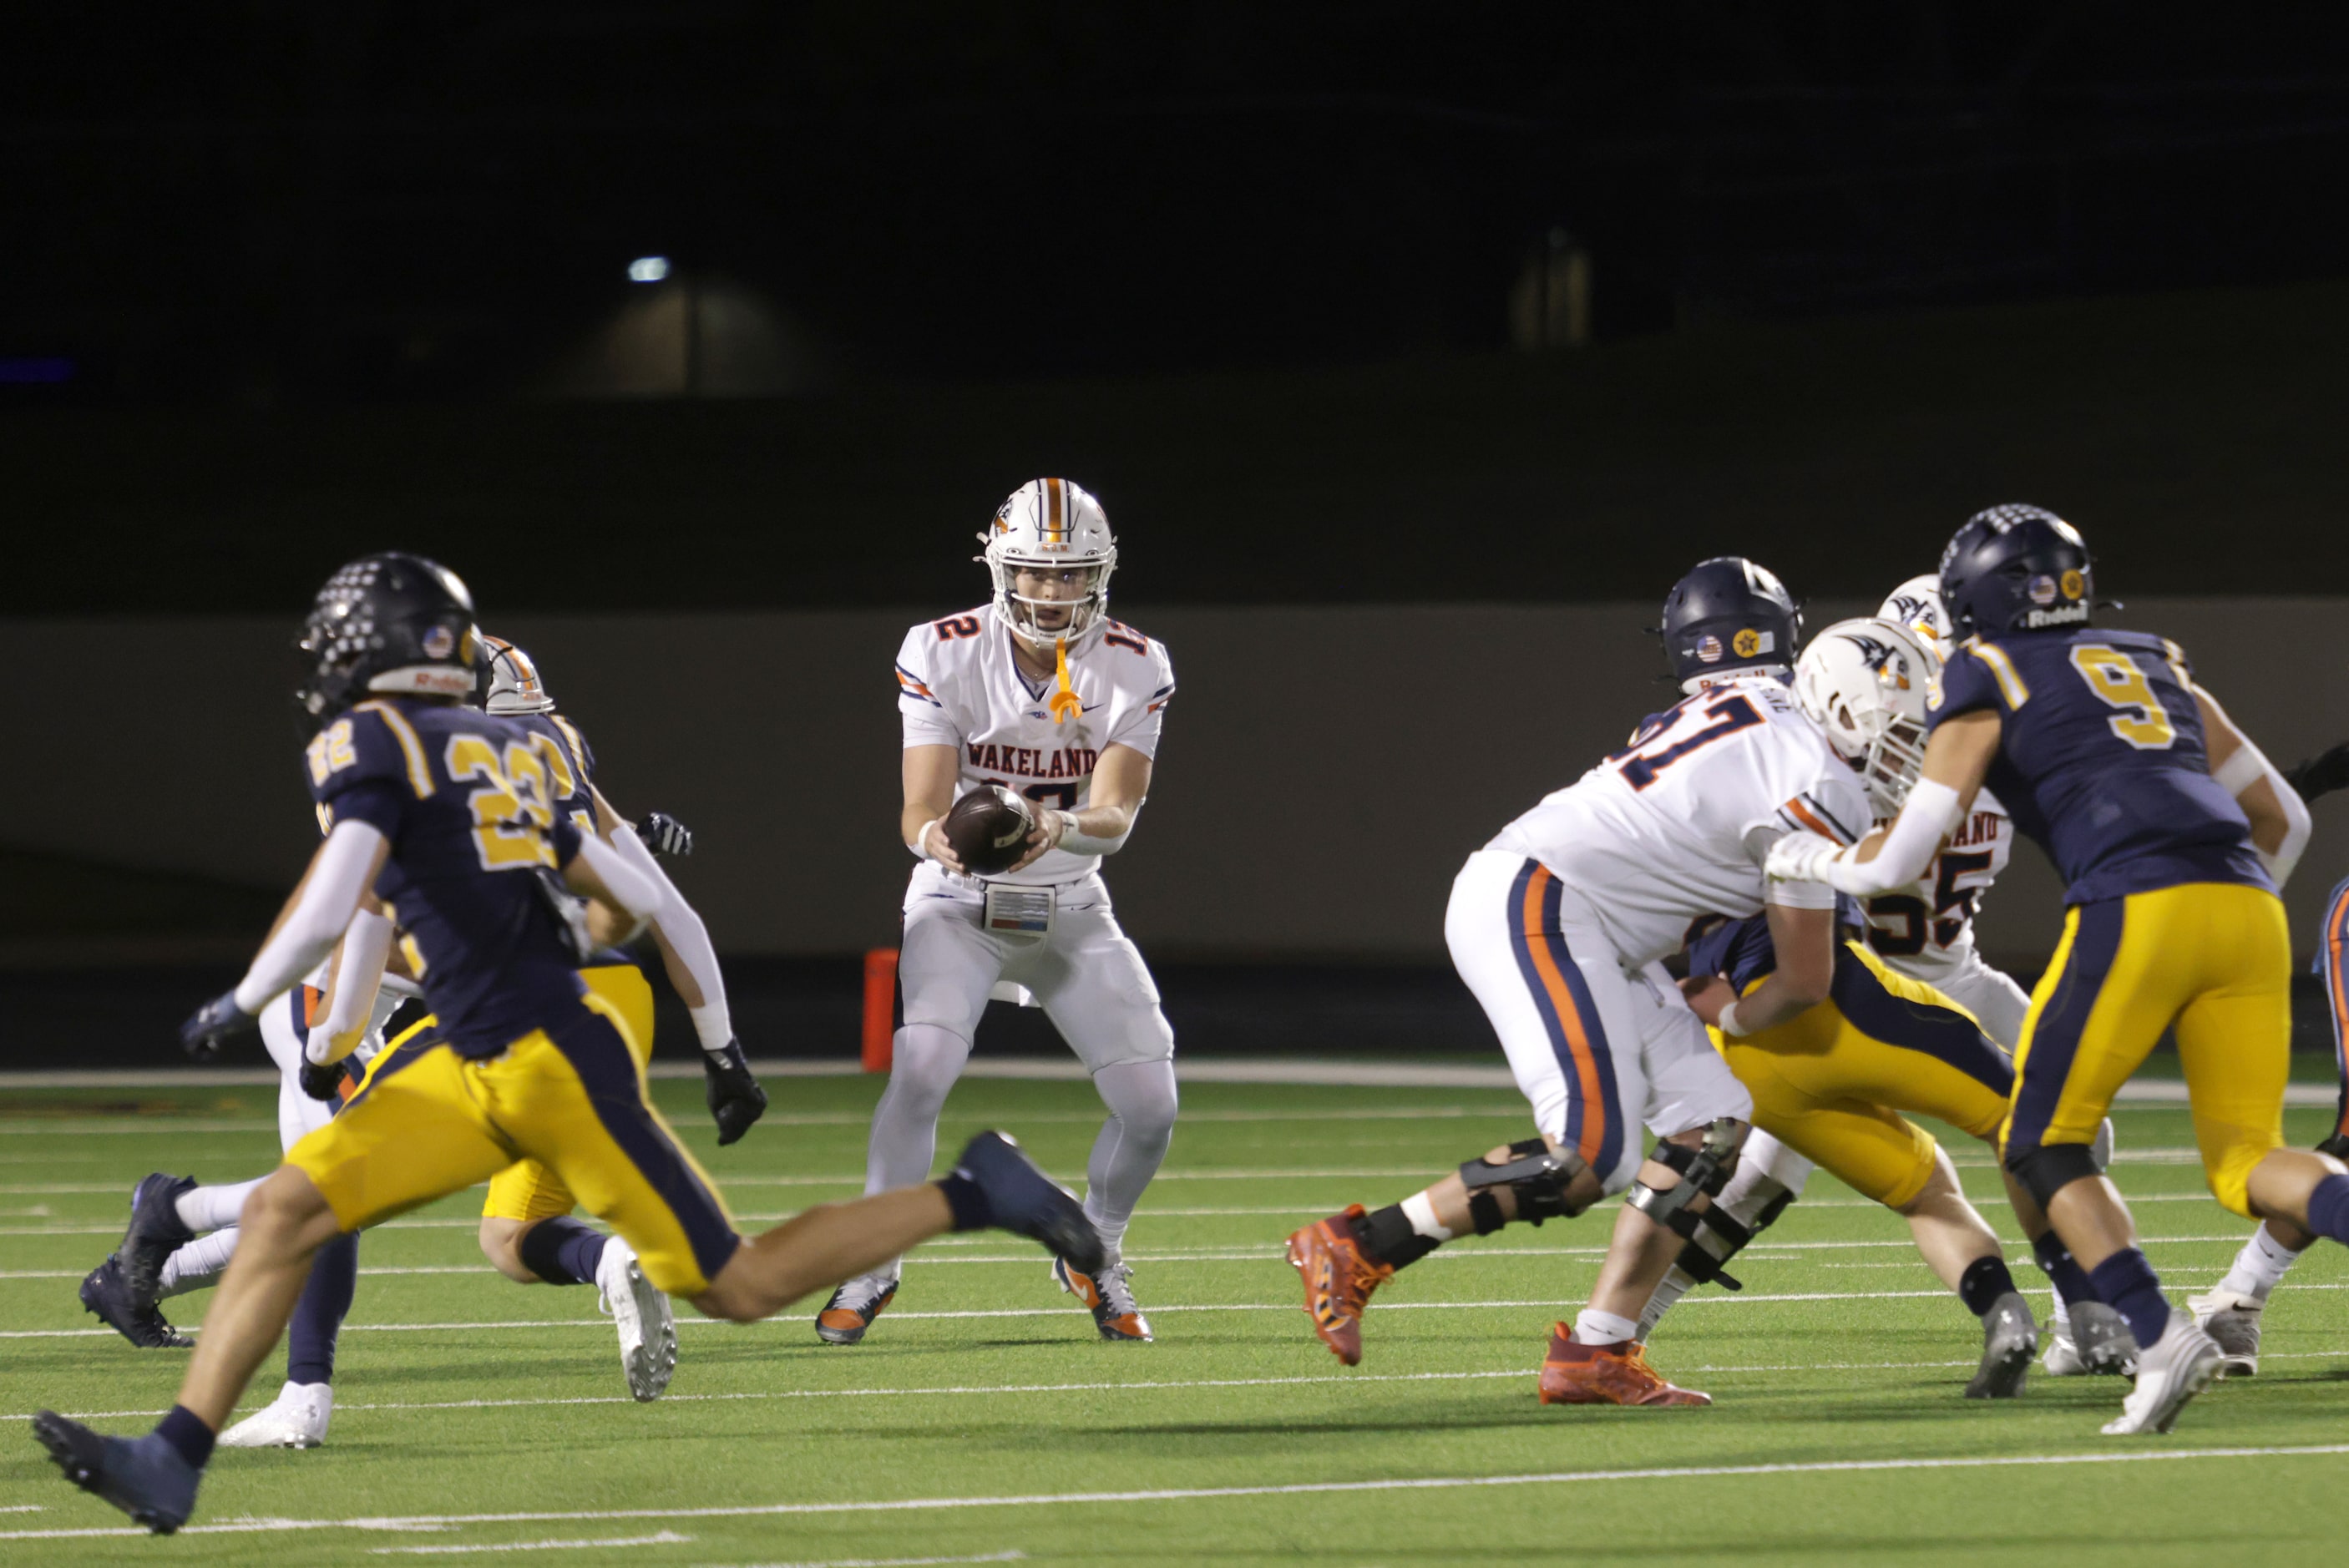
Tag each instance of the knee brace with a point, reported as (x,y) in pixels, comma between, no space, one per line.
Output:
(1706,1170)
(2337,1146)
(1539,1175)
(2050,1167)
(1721,1236)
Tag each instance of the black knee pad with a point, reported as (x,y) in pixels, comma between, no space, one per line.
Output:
(2337,1146)
(1539,1175)
(2050,1167)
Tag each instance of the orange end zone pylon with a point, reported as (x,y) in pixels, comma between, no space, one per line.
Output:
(880,1007)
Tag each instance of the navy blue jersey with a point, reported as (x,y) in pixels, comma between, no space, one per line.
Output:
(570,766)
(1739,951)
(467,803)
(2101,759)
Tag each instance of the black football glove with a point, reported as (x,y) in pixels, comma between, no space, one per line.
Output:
(736,1100)
(2321,775)
(665,835)
(321,1080)
(214,1023)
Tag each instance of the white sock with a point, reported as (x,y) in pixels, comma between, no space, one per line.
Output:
(1421,1215)
(205,1209)
(2059,1317)
(1592,1326)
(199,1263)
(2260,1266)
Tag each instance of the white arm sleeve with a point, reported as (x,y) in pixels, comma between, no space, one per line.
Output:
(689,938)
(359,976)
(2246,768)
(336,880)
(1909,845)
(634,891)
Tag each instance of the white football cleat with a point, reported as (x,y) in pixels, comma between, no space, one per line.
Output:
(2171,1370)
(641,1314)
(296,1418)
(2232,1320)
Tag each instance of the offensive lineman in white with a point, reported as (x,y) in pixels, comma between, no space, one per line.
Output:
(1038,691)
(1559,926)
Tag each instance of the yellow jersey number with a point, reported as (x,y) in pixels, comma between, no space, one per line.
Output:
(512,811)
(2116,679)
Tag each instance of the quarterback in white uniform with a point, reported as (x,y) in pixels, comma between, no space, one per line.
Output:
(1041,693)
(1559,926)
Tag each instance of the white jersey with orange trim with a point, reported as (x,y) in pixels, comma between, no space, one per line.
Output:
(958,685)
(1926,929)
(1675,827)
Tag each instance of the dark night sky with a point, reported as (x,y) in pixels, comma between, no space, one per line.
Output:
(363,200)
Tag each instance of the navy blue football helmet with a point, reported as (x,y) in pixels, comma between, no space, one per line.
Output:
(1729,615)
(391,623)
(2016,568)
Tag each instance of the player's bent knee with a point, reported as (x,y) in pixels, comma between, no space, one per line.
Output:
(1544,1182)
(502,1245)
(287,1211)
(2048,1168)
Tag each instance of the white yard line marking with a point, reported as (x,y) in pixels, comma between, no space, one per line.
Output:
(1331,1380)
(1724,1298)
(1191,1494)
(664,1538)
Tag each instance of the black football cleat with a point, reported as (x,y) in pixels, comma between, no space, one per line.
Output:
(144,1477)
(156,1229)
(1024,1201)
(104,1292)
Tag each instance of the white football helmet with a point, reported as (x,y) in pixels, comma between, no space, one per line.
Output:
(514,686)
(1864,683)
(1050,524)
(1916,604)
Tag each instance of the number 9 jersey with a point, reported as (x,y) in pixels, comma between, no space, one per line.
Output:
(467,803)
(960,686)
(2101,759)
(1676,825)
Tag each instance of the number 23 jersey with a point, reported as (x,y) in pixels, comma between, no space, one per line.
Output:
(1676,825)
(2101,758)
(960,686)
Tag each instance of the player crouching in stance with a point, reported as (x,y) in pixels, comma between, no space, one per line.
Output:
(2173,834)
(1058,708)
(446,814)
(1830,1083)
(1558,927)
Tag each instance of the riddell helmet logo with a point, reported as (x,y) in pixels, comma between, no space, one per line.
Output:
(2075,585)
(1747,643)
(2061,616)
(1708,649)
(2043,590)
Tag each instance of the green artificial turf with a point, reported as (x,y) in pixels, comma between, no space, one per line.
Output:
(1841,1350)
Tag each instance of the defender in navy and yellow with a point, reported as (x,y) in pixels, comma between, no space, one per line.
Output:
(2172,833)
(449,816)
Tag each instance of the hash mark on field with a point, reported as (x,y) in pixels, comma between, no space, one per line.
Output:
(666,1538)
(1191,1494)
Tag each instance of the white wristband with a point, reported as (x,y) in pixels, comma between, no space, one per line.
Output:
(921,844)
(1727,1022)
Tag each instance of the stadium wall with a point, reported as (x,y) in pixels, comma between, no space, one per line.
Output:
(1324,770)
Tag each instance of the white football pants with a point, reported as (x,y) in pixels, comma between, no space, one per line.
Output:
(1597,1048)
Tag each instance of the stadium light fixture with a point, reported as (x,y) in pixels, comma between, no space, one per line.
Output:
(647,269)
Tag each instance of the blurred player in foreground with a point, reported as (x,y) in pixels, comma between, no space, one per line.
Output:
(1559,926)
(1831,1082)
(2173,834)
(1041,694)
(447,813)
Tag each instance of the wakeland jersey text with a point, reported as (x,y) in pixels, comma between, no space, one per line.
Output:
(960,686)
(2101,759)
(1676,825)
(468,804)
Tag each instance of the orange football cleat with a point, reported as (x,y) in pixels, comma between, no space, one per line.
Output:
(1606,1374)
(852,1309)
(1338,1281)
(1109,1294)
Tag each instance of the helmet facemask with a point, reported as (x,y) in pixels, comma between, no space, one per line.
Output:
(1864,683)
(1051,525)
